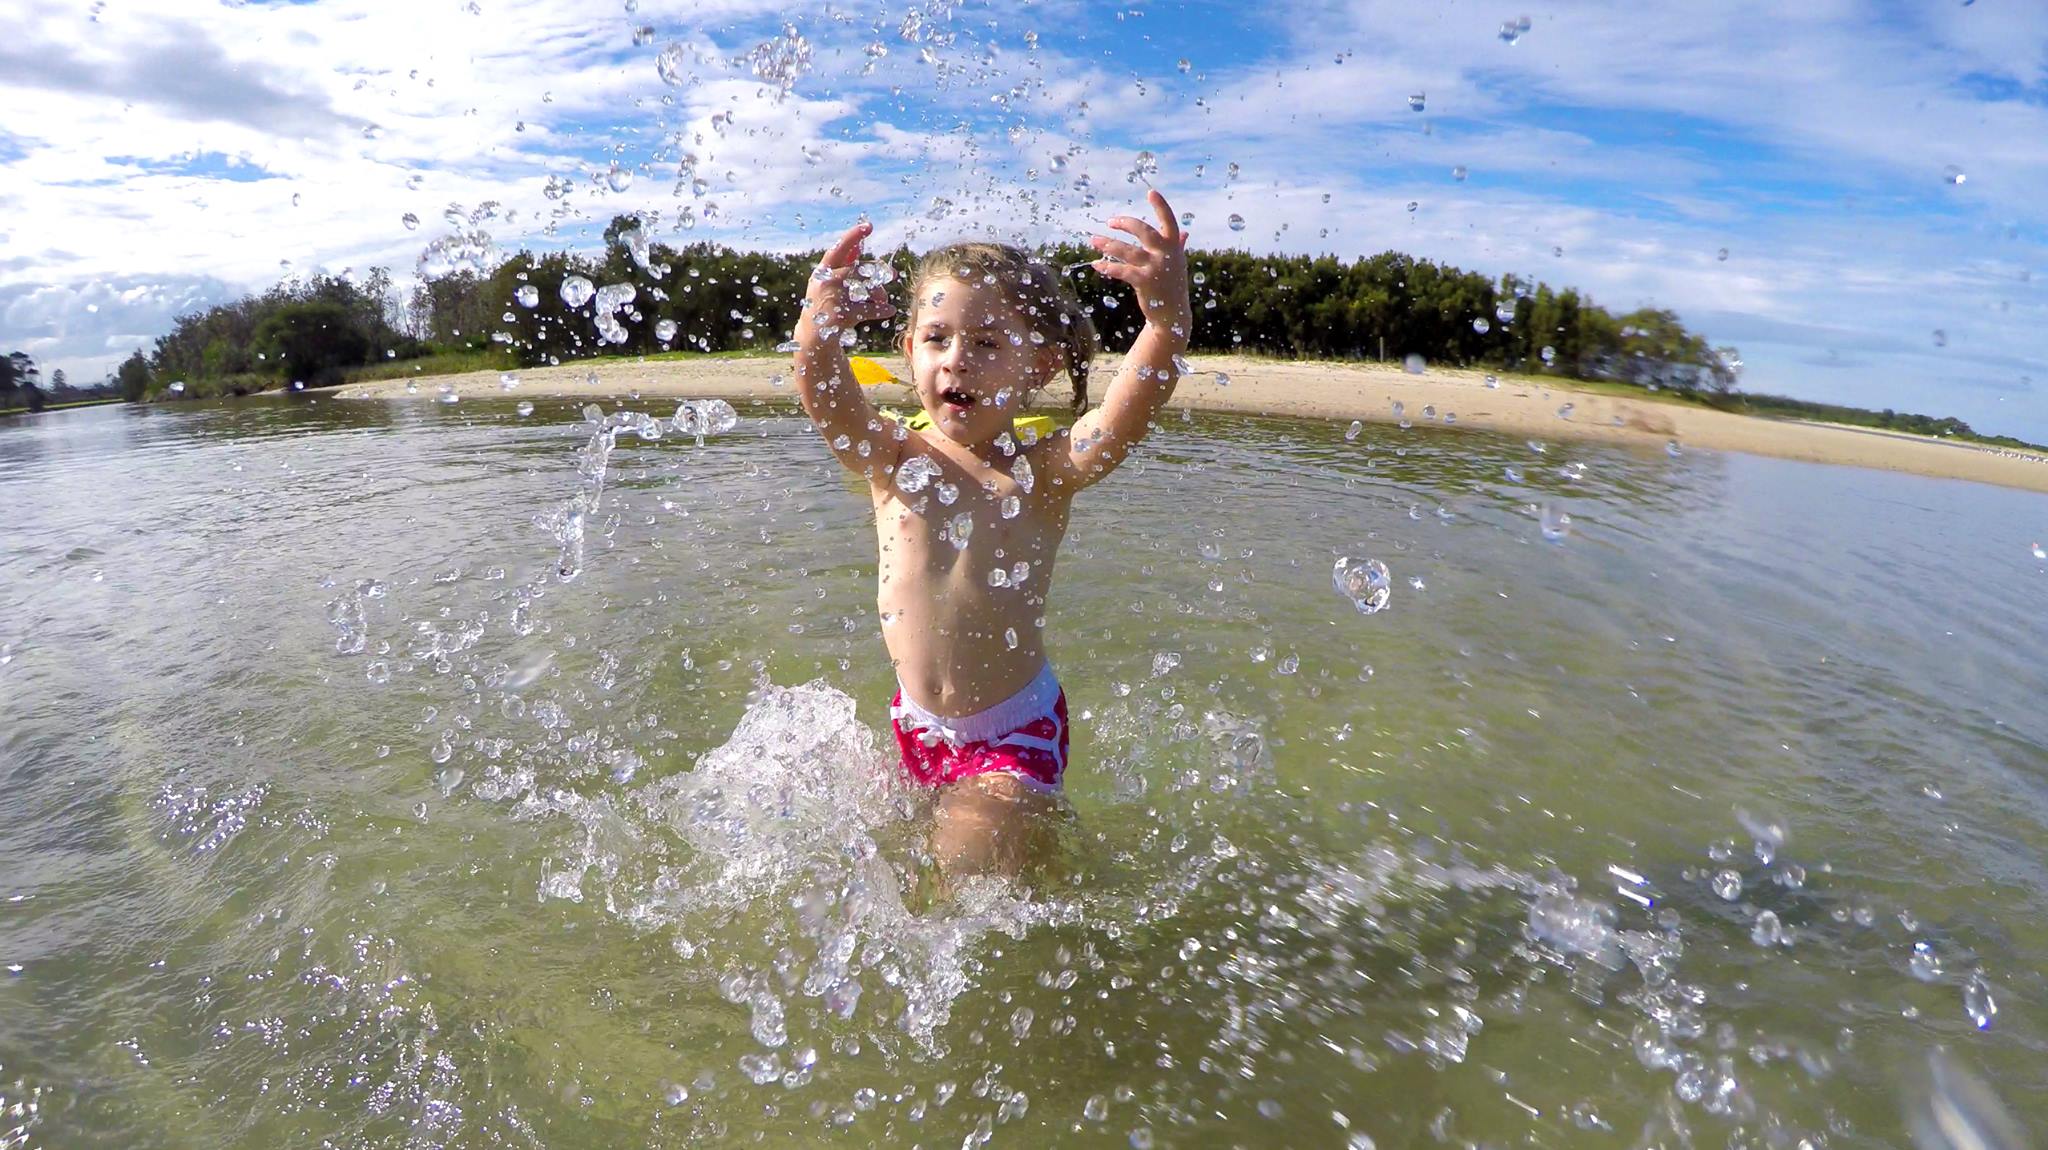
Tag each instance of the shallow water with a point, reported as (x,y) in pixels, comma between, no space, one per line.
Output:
(335,815)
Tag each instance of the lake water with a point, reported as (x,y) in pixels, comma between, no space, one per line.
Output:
(335,817)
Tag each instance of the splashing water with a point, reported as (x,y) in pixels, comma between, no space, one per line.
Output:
(701,417)
(1366,582)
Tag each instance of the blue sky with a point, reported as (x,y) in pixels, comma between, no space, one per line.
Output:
(161,156)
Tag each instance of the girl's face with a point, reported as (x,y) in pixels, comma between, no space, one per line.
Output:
(972,359)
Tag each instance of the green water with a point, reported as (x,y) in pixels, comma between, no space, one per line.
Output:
(1327,874)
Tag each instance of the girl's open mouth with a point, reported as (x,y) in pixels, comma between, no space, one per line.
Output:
(954,397)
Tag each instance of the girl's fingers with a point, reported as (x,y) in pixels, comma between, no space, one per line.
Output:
(1168,225)
(1109,269)
(847,249)
(1118,249)
(1146,233)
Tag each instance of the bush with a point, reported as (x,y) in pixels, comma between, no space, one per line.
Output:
(312,342)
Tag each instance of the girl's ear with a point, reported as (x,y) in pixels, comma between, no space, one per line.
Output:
(1050,360)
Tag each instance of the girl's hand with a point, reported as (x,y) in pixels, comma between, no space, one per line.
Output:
(1156,266)
(838,297)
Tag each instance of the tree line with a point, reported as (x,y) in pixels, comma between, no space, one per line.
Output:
(639,296)
(22,386)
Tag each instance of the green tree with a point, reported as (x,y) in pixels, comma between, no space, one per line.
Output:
(133,377)
(312,342)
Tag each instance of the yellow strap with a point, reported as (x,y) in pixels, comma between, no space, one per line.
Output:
(921,421)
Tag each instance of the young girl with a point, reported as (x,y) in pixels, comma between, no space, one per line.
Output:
(969,516)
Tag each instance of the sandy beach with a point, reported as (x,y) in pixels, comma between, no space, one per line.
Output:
(1334,391)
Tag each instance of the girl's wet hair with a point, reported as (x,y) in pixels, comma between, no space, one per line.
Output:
(1032,287)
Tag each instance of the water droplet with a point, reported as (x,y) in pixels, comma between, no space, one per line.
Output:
(1183,65)
(619,179)
(1480,325)
(1012,506)
(507,381)
(1556,524)
(1728,885)
(1492,382)
(576,291)
(527,295)
(178,388)
(761,1069)
(1365,582)
(915,473)
(1351,433)
(1412,205)
(958,529)
(525,408)
(1953,176)
(665,330)
(1512,31)
(1096,1109)
(1671,449)
(1010,637)
(669,64)
(702,417)
(1417,102)
(1458,173)
(1236,222)
(1144,166)
(1549,354)
(1924,964)
(1413,365)
(1767,931)
(1940,338)
(1977,1001)
(411,222)
(1564,412)
(1722,255)
(2040,552)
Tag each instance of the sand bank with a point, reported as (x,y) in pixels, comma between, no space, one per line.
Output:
(1342,392)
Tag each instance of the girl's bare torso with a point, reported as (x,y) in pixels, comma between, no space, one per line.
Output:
(963,640)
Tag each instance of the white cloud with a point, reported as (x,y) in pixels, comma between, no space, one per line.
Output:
(151,159)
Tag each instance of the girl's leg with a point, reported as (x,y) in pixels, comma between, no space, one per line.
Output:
(991,824)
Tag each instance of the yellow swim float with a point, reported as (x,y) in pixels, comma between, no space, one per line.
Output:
(868,373)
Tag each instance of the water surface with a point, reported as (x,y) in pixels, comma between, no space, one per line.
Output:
(336,815)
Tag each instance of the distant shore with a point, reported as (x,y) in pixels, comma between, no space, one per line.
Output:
(1335,391)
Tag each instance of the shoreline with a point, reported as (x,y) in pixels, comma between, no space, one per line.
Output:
(1331,391)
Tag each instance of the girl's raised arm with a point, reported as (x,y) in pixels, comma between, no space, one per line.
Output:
(1156,267)
(860,436)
